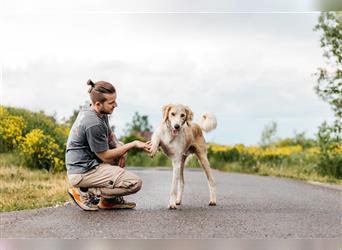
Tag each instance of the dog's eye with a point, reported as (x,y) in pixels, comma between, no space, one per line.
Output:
(173,114)
(182,115)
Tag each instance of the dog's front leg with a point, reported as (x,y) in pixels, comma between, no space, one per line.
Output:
(180,182)
(176,165)
(155,142)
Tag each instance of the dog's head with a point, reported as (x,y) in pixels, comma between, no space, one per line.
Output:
(176,115)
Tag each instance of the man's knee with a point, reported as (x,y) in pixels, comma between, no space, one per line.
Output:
(129,181)
(137,186)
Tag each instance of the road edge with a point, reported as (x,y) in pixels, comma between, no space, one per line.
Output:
(331,186)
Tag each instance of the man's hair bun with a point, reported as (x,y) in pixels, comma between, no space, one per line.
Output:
(91,83)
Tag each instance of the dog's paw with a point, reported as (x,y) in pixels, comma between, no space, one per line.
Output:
(153,152)
(212,203)
(172,206)
(178,202)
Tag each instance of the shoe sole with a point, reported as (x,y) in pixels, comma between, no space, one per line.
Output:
(117,207)
(85,209)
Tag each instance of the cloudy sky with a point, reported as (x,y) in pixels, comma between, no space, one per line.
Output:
(248,68)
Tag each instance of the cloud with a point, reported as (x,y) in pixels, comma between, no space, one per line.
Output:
(171,6)
(247,69)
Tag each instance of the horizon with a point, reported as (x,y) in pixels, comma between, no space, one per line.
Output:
(64,119)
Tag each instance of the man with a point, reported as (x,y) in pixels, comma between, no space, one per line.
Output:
(95,159)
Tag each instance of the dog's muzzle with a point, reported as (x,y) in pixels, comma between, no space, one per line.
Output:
(175,130)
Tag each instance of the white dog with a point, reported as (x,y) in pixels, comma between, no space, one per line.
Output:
(179,137)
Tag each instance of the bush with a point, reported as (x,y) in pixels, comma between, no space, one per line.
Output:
(137,157)
(330,157)
(249,163)
(330,164)
(219,156)
(130,138)
(11,128)
(39,137)
(39,120)
(41,151)
(34,120)
(142,159)
(299,139)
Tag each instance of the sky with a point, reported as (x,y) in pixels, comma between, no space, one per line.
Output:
(249,68)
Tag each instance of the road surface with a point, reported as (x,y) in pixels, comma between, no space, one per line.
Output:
(248,207)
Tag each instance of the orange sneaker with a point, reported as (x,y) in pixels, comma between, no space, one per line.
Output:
(115,203)
(84,200)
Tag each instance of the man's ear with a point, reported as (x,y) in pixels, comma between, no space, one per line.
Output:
(97,104)
(189,114)
(166,110)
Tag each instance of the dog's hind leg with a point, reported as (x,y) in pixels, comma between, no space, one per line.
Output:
(181,182)
(203,159)
(176,165)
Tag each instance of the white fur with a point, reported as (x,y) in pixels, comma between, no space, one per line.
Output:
(208,122)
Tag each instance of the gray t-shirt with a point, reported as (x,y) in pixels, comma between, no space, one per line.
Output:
(90,133)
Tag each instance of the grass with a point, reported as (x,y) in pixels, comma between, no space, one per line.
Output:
(293,172)
(23,188)
(303,172)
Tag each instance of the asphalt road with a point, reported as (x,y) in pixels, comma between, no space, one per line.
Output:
(248,207)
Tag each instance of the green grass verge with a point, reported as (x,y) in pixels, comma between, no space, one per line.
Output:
(293,172)
(299,172)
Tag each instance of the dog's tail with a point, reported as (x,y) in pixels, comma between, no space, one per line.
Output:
(208,122)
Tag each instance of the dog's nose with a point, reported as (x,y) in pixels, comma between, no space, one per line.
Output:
(177,126)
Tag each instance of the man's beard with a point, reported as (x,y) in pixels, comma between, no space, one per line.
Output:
(103,112)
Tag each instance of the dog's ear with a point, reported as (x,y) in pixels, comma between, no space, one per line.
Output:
(189,114)
(166,110)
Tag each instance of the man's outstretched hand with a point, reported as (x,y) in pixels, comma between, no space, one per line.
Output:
(146,146)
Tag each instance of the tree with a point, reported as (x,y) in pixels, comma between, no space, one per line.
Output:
(268,134)
(70,121)
(329,88)
(72,118)
(330,159)
(298,139)
(329,82)
(138,129)
(139,124)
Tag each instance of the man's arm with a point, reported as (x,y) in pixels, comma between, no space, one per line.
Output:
(107,156)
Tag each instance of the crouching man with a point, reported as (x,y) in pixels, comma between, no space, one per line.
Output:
(95,160)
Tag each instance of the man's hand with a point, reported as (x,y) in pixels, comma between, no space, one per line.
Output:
(146,146)
(122,161)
